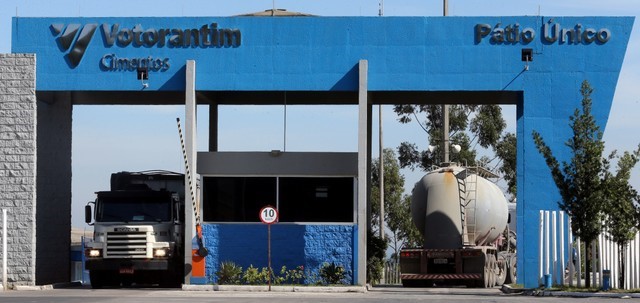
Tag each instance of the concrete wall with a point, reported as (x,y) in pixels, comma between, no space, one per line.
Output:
(292,245)
(53,191)
(18,163)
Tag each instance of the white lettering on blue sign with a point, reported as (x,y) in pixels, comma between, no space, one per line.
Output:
(551,33)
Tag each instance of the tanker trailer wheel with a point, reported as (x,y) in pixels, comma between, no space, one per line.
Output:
(490,276)
(486,275)
(501,270)
(492,271)
(512,272)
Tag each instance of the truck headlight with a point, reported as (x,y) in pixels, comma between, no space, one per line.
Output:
(93,253)
(160,252)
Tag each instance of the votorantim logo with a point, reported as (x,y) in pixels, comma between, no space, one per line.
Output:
(73,39)
(69,40)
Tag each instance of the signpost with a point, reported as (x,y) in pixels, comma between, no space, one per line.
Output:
(269,215)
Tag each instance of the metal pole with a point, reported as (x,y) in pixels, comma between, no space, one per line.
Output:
(4,249)
(381,173)
(445,107)
(445,131)
(269,254)
(381,153)
(445,8)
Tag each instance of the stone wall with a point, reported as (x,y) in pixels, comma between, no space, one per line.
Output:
(18,163)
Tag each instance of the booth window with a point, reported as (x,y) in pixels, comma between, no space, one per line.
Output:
(237,199)
(301,199)
(316,199)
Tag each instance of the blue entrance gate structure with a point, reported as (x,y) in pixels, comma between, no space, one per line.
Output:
(534,62)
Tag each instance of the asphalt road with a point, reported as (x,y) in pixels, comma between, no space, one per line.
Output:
(382,294)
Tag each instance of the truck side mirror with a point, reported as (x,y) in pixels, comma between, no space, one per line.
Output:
(87,214)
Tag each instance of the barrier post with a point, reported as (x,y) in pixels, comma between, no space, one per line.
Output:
(541,253)
(554,245)
(563,265)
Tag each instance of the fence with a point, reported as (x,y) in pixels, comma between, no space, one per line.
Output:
(392,273)
(610,260)
(561,261)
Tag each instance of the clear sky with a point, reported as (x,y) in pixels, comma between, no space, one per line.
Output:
(108,139)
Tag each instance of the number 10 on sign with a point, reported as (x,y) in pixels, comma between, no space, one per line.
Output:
(268,215)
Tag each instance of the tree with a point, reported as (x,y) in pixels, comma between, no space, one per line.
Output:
(486,126)
(393,185)
(399,224)
(580,181)
(622,208)
(506,151)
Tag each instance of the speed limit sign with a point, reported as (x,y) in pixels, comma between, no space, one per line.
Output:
(268,215)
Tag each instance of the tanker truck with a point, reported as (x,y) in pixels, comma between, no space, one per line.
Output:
(138,230)
(462,218)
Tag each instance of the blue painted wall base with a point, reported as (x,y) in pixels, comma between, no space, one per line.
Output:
(292,245)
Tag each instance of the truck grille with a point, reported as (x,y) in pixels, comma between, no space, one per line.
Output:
(127,244)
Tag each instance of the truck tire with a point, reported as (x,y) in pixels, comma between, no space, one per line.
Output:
(171,279)
(100,279)
(511,270)
(501,270)
(417,283)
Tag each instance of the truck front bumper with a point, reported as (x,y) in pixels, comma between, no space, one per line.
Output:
(120,264)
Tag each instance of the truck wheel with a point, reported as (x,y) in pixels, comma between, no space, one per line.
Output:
(501,270)
(492,272)
(486,277)
(98,279)
(511,270)
(411,283)
(170,280)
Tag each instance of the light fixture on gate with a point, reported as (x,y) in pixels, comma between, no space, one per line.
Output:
(143,74)
(527,56)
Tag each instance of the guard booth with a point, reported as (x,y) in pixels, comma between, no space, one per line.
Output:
(314,193)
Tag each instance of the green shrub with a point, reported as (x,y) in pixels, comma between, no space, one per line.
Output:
(294,276)
(376,248)
(253,276)
(332,274)
(229,273)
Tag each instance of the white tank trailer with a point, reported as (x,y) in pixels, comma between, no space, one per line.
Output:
(463,218)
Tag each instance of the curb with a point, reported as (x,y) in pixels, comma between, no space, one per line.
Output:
(264,288)
(548,293)
(47,286)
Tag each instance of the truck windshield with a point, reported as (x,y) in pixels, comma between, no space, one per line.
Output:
(130,209)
